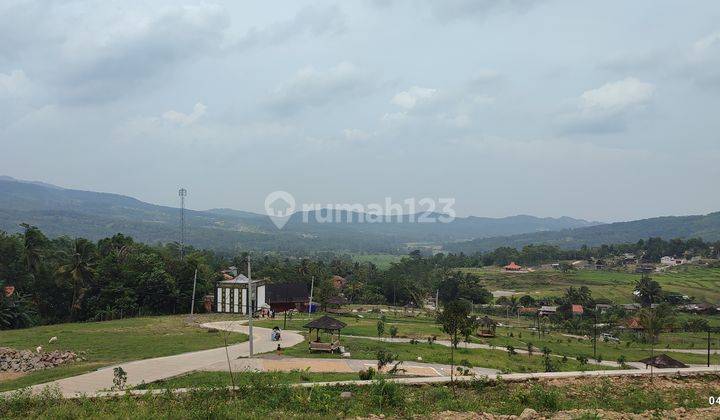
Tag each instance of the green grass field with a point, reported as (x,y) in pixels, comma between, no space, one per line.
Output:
(634,351)
(408,327)
(105,343)
(382,261)
(222,379)
(436,353)
(701,283)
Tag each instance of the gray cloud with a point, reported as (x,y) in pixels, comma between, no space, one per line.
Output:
(310,20)
(310,88)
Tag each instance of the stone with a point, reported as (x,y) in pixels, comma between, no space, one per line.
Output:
(529,414)
(345,395)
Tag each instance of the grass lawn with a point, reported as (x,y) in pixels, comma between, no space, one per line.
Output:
(573,347)
(109,342)
(222,379)
(699,282)
(382,261)
(419,327)
(436,353)
(263,400)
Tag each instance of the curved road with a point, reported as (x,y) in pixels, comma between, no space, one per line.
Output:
(150,370)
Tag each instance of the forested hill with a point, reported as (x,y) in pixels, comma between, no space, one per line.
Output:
(706,227)
(58,211)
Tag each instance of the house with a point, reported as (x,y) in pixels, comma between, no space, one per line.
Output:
(634,324)
(576,310)
(672,261)
(599,265)
(602,307)
(547,310)
(286,296)
(512,267)
(527,311)
(631,307)
(231,295)
(644,268)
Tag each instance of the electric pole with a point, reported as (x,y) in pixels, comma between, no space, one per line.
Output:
(312,289)
(182,192)
(192,303)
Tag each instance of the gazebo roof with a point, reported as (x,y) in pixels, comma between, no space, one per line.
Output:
(325,323)
(663,361)
(487,321)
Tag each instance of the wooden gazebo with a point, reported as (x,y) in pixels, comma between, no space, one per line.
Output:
(486,327)
(329,325)
(663,361)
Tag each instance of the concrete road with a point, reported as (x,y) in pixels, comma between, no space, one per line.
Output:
(150,370)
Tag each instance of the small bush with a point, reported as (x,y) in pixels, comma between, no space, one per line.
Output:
(367,374)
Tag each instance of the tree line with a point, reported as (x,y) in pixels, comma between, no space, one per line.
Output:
(65,279)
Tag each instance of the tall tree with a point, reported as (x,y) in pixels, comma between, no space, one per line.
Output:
(78,270)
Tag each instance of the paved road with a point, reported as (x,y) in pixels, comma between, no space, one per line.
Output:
(287,364)
(150,370)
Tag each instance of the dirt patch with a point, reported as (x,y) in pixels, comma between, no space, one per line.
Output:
(529,414)
(9,376)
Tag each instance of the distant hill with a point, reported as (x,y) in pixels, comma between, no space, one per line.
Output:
(59,211)
(703,226)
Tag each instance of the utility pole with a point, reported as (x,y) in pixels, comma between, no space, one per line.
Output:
(250,308)
(595,338)
(182,192)
(312,289)
(708,347)
(192,303)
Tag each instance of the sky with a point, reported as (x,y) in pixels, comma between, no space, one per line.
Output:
(599,110)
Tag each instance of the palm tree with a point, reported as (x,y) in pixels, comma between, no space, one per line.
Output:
(79,270)
(34,241)
(648,291)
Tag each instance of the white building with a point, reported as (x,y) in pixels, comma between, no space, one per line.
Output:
(671,261)
(231,296)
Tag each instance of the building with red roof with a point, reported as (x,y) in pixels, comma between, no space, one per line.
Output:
(512,267)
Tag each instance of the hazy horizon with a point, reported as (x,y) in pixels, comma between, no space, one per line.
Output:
(603,112)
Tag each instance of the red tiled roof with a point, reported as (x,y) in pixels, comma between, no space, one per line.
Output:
(512,266)
(577,309)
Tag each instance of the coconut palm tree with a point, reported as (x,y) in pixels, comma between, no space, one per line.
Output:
(34,241)
(78,270)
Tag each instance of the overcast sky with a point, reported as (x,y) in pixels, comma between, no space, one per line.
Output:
(605,110)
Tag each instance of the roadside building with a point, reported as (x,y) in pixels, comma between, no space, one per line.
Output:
(231,295)
(287,296)
(547,310)
(576,310)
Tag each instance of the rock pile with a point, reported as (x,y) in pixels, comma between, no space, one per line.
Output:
(12,360)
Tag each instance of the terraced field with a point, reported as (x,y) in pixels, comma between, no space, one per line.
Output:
(699,282)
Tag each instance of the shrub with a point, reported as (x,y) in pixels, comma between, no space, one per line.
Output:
(119,378)
(384,358)
(393,331)
(511,350)
(387,394)
(367,374)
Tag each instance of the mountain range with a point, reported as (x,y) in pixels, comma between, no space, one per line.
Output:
(60,211)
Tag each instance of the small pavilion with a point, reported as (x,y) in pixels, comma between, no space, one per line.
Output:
(486,327)
(328,325)
(663,361)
